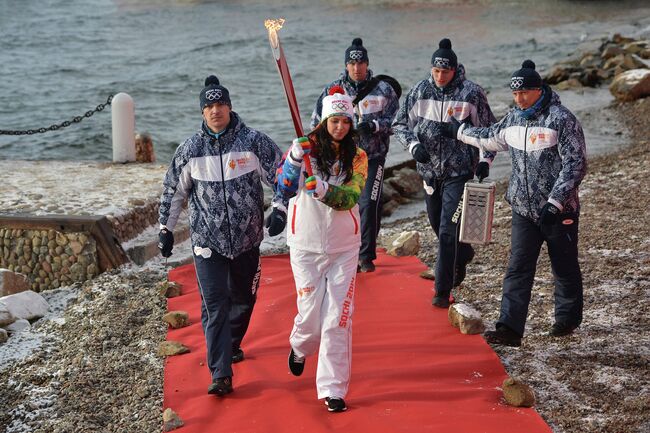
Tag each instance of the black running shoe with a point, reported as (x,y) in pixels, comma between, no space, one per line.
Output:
(237,355)
(440,301)
(335,404)
(221,386)
(365,266)
(560,329)
(504,336)
(296,363)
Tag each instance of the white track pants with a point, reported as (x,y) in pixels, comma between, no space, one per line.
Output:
(325,287)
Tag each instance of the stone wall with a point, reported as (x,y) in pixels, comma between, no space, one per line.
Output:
(142,215)
(49,258)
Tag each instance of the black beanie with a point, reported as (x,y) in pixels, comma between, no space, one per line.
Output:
(213,93)
(444,57)
(526,78)
(356,52)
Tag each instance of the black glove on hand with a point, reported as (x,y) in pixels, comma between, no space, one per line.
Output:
(276,221)
(482,170)
(366,128)
(549,214)
(420,154)
(450,130)
(165,242)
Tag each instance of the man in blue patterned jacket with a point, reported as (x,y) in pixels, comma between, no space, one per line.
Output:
(547,148)
(221,169)
(376,101)
(444,163)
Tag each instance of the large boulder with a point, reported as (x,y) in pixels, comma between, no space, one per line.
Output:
(169,289)
(13,282)
(636,47)
(27,305)
(171,348)
(389,207)
(406,244)
(406,181)
(177,319)
(631,85)
(466,318)
(6,318)
(17,326)
(388,193)
(517,393)
(171,420)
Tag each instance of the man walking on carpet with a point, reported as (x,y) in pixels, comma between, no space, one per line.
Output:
(376,101)
(444,163)
(220,170)
(547,148)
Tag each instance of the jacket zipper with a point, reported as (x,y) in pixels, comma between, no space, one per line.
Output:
(293,220)
(356,224)
(225,199)
(442,116)
(530,209)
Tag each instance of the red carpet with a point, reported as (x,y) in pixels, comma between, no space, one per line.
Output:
(411,371)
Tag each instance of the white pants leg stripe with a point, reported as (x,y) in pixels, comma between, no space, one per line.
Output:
(325,288)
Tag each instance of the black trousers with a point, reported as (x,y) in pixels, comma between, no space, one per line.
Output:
(442,199)
(370,209)
(562,243)
(228,289)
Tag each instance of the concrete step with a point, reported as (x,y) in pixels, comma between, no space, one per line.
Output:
(145,246)
(181,255)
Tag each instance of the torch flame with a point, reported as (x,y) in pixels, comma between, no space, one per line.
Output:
(274,25)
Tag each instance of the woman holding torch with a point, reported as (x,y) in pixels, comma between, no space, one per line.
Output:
(324,238)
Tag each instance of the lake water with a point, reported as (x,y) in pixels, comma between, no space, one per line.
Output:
(60,58)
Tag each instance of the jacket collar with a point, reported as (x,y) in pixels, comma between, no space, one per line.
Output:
(455,83)
(233,127)
(355,85)
(541,105)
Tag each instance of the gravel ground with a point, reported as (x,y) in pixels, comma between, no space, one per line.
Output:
(90,365)
(94,368)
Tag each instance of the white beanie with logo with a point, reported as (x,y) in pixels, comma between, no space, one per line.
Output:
(337,103)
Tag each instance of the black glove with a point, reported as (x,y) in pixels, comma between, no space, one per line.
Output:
(450,130)
(420,154)
(482,170)
(549,214)
(366,128)
(276,221)
(165,242)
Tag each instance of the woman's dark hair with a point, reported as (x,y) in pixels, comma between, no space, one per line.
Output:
(326,153)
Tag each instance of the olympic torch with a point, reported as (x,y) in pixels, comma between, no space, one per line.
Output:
(273,26)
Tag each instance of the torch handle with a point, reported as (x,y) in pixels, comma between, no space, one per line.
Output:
(289,92)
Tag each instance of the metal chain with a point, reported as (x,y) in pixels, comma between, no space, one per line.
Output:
(63,124)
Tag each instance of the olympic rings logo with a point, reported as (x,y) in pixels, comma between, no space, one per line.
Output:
(340,106)
(441,62)
(516,82)
(213,94)
(356,55)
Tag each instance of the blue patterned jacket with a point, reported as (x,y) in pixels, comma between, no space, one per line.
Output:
(548,155)
(420,120)
(223,179)
(379,107)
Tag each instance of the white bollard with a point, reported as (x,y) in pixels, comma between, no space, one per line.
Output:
(123,118)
